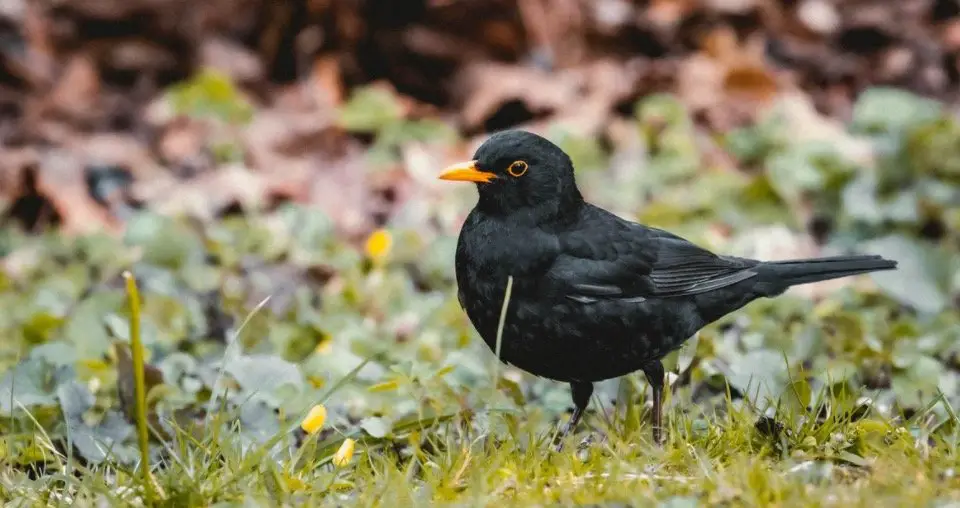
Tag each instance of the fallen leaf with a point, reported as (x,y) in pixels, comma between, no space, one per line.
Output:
(488,86)
(232,59)
(327,83)
(60,179)
(76,91)
(126,383)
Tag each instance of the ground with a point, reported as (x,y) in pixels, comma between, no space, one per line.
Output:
(273,208)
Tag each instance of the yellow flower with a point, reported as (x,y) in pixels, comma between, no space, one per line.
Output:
(378,244)
(314,419)
(325,346)
(345,453)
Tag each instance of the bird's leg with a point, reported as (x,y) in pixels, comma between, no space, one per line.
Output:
(581,393)
(655,375)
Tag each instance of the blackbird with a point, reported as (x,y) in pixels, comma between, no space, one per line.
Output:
(594,296)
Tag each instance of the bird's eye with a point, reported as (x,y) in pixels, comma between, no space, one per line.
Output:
(518,168)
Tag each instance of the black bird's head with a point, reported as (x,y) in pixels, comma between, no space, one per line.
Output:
(517,171)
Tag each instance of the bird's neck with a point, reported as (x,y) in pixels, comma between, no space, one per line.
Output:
(552,211)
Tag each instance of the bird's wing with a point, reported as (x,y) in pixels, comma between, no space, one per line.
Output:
(683,268)
(625,260)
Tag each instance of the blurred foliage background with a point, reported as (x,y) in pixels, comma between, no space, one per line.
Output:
(228,151)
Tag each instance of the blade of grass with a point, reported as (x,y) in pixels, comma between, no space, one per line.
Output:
(348,377)
(140,387)
(503,319)
(226,354)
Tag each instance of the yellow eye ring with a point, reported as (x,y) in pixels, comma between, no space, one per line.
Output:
(518,168)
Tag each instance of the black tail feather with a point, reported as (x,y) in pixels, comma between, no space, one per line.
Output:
(805,271)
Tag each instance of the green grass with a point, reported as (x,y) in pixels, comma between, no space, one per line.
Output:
(727,461)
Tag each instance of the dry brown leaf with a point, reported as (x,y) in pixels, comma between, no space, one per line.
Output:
(608,83)
(442,45)
(750,82)
(536,20)
(820,16)
(729,82)
(136,55)
(806,124)
(731,6)
(120,9)
(296,125)
(116,149)
(611,15)
(36,32)
(207,195)
(77,89)
(183,144)
(487,86)
(13,162)
(340,190)
(896,62)
(327,83)
(60,179)
(232,59)
(667,14)
(950,35)
(126,385)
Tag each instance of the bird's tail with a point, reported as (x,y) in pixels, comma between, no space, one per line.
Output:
(805,271)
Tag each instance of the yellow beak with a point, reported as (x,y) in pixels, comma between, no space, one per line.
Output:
(466,172)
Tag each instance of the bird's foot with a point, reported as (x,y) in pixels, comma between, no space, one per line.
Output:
(594,436)
(658,438)
(560,437)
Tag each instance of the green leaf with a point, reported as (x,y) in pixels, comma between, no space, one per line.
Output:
(370,109)
(211,94)
(375,426)
(585,151)
(265,376)
(84,328)
(761,375)
(752,144)
(98,442)
(905,353)
(838,371)
(803,169)
(29,383)
(258,422)
(425,130)
(40,327)
(860,202)
(918,383)
(888,110)
(57,353)
(916,281)
(165,242)
(681,502)
(933,149)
